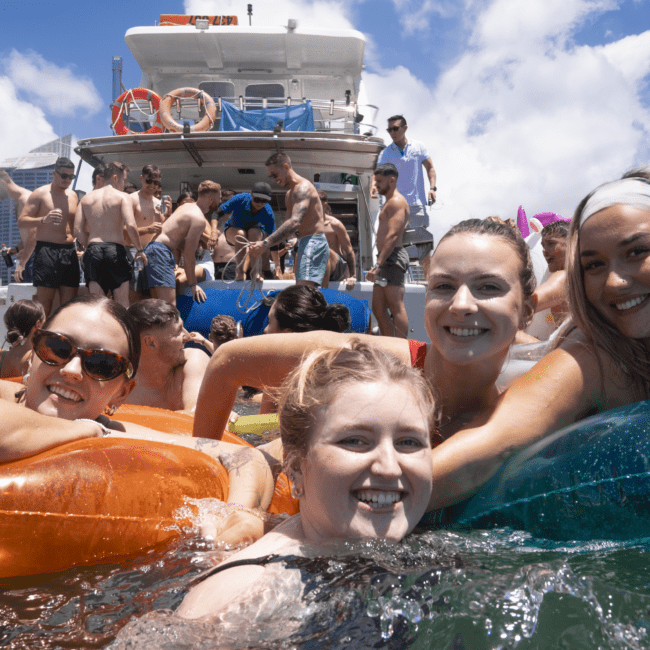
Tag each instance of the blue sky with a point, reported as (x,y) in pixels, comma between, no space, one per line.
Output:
(529,102)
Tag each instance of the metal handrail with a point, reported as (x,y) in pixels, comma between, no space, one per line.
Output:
(330,116)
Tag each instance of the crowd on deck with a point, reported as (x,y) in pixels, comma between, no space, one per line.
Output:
(365,444)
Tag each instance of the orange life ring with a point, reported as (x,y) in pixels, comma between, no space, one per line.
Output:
(182,424)
(206,122)
(130,96)
(95,501)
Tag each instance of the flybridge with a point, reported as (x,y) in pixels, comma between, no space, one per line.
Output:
(178,19)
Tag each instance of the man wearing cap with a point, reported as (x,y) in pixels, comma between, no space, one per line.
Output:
(251,219)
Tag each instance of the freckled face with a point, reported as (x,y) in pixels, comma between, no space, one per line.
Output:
(474,300)
(615,260)
(67,391)
(368,470)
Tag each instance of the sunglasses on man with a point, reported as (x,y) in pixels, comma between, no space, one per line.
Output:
(153,181)
(393,129)
(64,176)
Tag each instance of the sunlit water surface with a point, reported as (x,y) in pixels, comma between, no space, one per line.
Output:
(469,590)
(497,589)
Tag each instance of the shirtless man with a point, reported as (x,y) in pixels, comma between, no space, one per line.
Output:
(305,214)
(222,251)
(99,226)
(169,376)
(392,259)
(551,294)
(183,229)
(51,209)
(9,190)
(342,263)
(148,219)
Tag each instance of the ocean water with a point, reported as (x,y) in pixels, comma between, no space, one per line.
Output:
(454,589)
(442,589)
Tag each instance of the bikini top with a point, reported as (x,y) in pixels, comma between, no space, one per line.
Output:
(418,353)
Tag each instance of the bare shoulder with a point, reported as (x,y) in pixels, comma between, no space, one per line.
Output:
(304,190)
(196,360)
(8,390)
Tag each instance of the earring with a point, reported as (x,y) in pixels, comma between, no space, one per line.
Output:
(25,378)
(110,410)
(297,492)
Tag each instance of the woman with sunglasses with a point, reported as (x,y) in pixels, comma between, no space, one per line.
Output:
(251,219)
(84,364)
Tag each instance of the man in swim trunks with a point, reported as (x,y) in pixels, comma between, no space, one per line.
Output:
(251,218)
(169,376)
(183,229)
(392,259)
(149,220)
(51,209)
(99,226)
(305,214)
(342,263)
(411,157)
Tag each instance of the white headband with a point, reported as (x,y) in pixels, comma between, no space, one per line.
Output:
(628,191)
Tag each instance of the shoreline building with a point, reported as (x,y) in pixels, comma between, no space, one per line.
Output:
(31,170)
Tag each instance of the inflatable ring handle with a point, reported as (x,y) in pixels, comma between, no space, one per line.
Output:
(128,96)
(193,93)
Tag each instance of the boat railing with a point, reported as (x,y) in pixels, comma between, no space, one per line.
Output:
(330,116)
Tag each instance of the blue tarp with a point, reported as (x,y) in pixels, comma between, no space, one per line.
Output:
(296,118)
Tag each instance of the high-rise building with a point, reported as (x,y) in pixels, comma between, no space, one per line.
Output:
(30,171)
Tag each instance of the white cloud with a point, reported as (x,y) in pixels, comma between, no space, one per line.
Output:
(414,15)
(321,14)
(524,116)
(56,90)
(23,126)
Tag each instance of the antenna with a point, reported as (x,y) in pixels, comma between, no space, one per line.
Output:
(250,15)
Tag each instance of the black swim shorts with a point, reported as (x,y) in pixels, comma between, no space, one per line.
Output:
(107,264)
(56,265)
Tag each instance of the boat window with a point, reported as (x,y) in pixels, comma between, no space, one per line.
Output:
(264,90)
(224,89)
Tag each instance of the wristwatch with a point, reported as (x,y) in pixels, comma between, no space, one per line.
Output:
(434,188)
(265,242)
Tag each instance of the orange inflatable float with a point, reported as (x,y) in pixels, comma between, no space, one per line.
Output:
(120,107)
(182,424)
(206,103)
(105,500)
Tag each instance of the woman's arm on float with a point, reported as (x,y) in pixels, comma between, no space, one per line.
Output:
(562,388)
(26,433)
(250,477)
(263,361)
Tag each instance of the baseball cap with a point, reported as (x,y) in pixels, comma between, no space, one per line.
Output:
(262,191)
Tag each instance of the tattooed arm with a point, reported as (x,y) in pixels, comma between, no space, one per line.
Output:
(251,479)
(297,208)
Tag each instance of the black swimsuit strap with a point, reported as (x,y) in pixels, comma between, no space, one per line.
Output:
(259,561)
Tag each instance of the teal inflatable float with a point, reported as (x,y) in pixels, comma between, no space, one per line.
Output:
(588,481)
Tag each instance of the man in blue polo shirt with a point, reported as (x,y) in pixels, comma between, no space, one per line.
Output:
(251,218)
(410,157)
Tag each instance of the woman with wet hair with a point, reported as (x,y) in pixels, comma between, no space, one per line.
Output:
(479,296)
(356,426)
(21,319)
(301,308)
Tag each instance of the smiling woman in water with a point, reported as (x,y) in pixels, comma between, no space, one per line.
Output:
(356,426)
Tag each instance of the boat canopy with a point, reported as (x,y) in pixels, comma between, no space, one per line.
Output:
(236,51)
